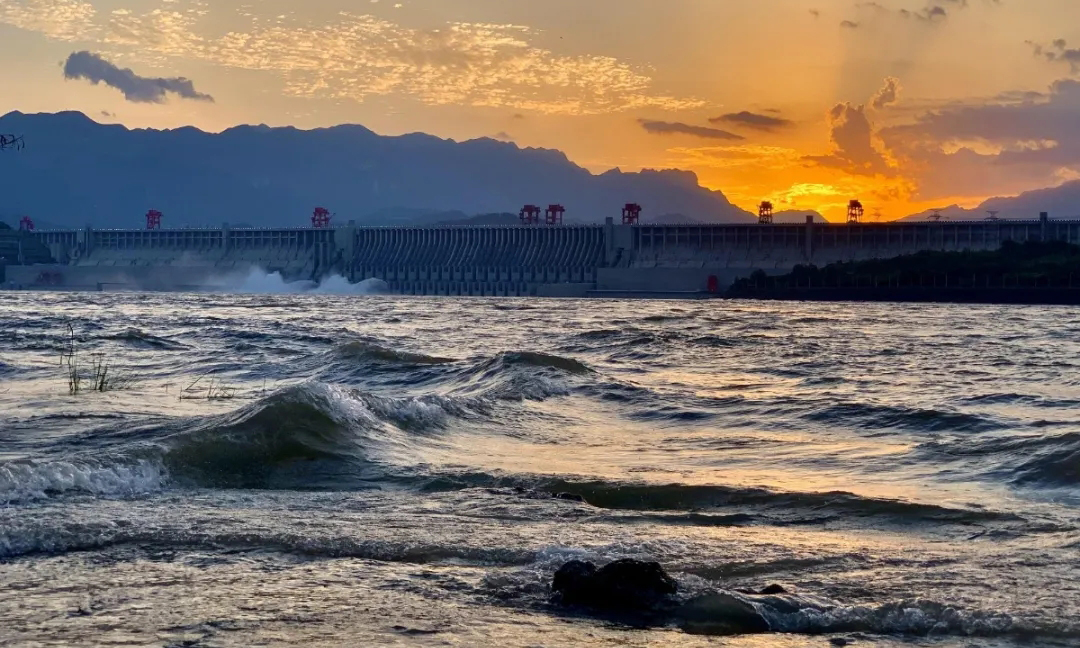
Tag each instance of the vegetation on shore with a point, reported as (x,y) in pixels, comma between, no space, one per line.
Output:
(1032,264)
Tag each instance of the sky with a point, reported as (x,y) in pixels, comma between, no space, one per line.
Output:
(907,105)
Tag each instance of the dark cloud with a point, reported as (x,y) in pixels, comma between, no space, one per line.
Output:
(853,138)
(992,147)
(517,116)
(672,128)
(888,95)
(138,89)
(849,24)
(1058,51)
(753,120)
(930,14)
(503,136)
(816,13)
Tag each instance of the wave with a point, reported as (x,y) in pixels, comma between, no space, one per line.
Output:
(366,351)
(868,415)
(1020,399)
(522,375)
(136,338)
(804,615)
(28,480)
(311,436)
(773,507)
(30,538)
(1043,460)
(1053,461)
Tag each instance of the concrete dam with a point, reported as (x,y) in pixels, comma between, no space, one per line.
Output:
(523,260)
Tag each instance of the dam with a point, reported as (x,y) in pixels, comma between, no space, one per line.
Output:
(610,259)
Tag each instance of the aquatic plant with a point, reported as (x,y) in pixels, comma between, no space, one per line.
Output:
(101,375)
(213,391)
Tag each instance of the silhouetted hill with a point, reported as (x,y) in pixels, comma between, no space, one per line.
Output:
(75,171)
(1062,202)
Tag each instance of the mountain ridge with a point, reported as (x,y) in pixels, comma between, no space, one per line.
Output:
(76,171)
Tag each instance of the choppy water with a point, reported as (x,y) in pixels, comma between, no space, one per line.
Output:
(378,470)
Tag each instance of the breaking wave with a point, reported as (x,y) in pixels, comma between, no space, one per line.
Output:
(306,437)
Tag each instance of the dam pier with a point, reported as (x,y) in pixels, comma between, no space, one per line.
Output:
(534,259)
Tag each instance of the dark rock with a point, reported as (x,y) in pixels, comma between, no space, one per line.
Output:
(720,615)
(622,585)
(573,497)
(839,641)
(774,589)
(573,580)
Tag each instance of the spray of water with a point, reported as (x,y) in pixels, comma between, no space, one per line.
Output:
(260,282)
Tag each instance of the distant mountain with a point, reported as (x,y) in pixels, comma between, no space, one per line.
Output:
(1061,202)
(479,220)
(75,172)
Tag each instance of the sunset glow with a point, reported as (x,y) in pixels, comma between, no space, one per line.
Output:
(808,103)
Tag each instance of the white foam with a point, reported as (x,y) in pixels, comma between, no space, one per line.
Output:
(31,480)
(903,617)
(260,282)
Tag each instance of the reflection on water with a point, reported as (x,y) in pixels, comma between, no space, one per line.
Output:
(313,469)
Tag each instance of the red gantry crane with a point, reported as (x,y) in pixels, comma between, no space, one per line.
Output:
(320,219)
(554,214)
(530,215)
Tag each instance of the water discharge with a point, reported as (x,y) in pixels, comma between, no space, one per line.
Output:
(260,282)
(299,463)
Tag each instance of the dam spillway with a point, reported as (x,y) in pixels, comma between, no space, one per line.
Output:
(520,260)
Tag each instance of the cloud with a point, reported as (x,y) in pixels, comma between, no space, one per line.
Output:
(1058,51)
(503,136)
(996,146)
(359,56)
(933,13)
(929,15)
(853,137)
(672,128)
(888,95)
(753,120)
(64,20)
(849,24)
(137,89)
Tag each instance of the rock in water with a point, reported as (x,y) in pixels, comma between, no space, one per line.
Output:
(624,585)
(720,614)
(773,589)
(573,581)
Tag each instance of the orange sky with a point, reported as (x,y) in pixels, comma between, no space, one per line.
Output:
(905,104)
